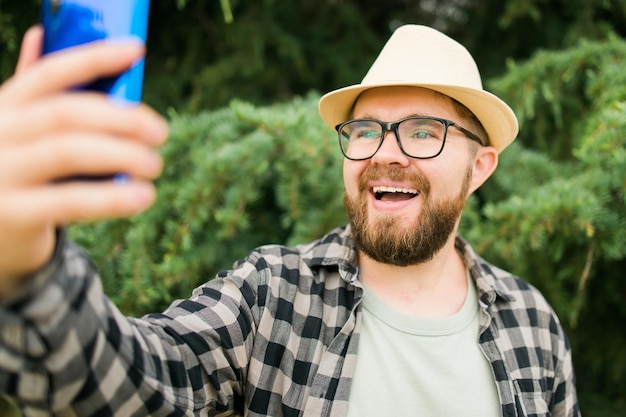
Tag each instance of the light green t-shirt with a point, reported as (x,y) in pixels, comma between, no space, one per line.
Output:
(410,366)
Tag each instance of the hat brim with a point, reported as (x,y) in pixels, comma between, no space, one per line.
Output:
(494,114)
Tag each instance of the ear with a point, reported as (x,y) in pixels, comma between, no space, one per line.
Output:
(485,162)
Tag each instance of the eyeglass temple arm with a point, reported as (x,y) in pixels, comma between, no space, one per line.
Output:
(469,134)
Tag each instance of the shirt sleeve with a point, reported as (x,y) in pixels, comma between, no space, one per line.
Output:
(564,397)
(65,349)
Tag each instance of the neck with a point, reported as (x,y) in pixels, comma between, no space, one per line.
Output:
(436,288)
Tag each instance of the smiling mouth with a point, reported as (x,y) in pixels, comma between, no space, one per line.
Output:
(383,193)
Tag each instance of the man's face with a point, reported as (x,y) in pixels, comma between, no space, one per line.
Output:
(403,210)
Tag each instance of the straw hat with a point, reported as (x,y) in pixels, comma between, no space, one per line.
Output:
(424,57)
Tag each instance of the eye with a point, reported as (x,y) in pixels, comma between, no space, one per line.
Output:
(422,128)
(420,134)
(368,134)
(363,131)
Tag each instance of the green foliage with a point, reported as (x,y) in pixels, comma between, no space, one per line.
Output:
(14,19)
(554,89)
(235,178)
(275,50)
(204,53)
(518,28)
(7,409)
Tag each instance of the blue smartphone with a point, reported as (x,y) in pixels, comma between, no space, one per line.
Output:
(70,23)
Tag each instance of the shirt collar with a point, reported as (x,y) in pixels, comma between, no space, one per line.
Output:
(337,249)
(484,274)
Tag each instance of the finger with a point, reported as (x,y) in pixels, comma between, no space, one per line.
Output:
(70,67)
(66,203)
(82,111)
(76,154)
(31,48)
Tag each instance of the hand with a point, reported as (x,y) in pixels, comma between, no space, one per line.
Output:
(48,133)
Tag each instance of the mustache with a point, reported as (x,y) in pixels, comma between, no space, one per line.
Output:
(408,175)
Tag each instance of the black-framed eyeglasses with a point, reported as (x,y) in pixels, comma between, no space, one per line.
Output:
(418,136)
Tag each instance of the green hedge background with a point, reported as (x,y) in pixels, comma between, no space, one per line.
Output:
(241,173)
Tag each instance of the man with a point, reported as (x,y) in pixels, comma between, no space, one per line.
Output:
(391,315)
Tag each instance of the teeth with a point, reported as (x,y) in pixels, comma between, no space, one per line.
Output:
(384,189)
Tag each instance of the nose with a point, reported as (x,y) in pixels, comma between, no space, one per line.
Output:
(390,152)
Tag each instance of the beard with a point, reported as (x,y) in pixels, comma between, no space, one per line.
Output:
(386,239)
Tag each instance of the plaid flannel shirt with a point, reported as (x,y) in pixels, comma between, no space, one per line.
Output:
(275,336)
